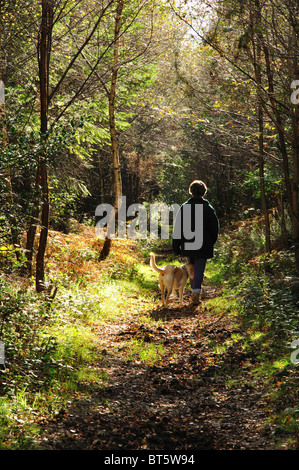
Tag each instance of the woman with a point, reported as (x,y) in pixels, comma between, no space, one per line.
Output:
(195,234)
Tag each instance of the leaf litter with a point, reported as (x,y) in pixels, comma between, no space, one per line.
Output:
(175,379)
(180,400)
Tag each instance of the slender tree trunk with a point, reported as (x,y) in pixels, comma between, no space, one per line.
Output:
(262,178)
(295,126)
(44,62)
(257,49)
(291,183)
(112,95)
(296,184)
(113,135)
(33,221)
(281,218)
(277,120)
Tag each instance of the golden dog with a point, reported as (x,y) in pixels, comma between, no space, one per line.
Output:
(172,277)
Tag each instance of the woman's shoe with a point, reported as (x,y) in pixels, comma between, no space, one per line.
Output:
(195,299)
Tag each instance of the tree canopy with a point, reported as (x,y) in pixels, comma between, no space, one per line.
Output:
(138,98)
(113,103)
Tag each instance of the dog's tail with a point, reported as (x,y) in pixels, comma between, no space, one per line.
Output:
(153,264)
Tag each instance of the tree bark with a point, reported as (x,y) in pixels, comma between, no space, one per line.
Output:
(33,222)
(112,95)
(262,178)
(113,135)
(295,127)
(44,50)
(258,77)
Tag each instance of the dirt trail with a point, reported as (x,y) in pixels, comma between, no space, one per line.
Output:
(185,401)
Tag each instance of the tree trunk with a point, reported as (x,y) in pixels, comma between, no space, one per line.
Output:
(113,135)
(112,95)
(295,126)
(258,77)
(262,179)
(44,49)
(295,185)
(31,232)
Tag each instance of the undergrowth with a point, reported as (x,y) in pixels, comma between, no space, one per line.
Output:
(52,350)
(261,291)
(52,347)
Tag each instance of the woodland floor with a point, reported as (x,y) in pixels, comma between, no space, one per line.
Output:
(183,402)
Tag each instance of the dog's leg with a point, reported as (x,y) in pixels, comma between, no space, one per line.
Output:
(173,295)
(167,297)
(162,292)
(181,293)
(169,288)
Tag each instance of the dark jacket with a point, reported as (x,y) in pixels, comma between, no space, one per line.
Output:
(207,229)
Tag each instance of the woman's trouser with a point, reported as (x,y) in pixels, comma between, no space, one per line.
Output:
(199,269)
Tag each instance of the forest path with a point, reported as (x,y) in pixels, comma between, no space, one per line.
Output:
(188,397)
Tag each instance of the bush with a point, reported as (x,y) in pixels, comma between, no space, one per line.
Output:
(265,284)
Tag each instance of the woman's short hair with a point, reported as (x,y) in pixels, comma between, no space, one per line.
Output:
(197,188)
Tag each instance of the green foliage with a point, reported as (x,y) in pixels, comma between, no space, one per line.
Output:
(22,315)
(183,111)
(175,180)
(261,292)
(145,352)
(19,162)
(270,303)
(273,184)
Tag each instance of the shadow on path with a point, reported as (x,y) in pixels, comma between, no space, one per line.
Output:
(182,402)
